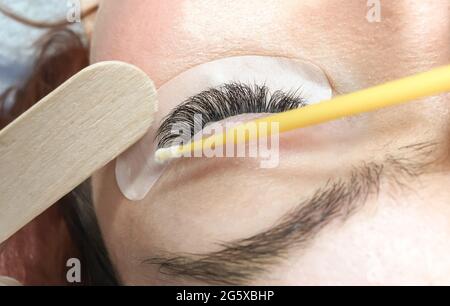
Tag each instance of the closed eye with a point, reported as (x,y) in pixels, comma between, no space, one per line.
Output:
(216,104)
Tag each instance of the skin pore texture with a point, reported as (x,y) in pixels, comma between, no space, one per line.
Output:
(361,200)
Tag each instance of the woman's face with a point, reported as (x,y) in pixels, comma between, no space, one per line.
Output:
(362,200)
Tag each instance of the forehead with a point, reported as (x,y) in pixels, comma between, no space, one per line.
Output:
(167,37)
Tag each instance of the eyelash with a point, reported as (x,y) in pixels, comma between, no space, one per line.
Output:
(219,103)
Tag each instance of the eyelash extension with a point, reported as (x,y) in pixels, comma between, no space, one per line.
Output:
(225,101)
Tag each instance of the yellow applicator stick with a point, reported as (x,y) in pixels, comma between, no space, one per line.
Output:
(414,87)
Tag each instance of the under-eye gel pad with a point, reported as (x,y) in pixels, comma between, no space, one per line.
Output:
(136,169)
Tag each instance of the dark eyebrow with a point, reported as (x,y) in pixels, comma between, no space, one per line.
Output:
(240,261)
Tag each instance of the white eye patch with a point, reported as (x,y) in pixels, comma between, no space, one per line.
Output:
(136,170)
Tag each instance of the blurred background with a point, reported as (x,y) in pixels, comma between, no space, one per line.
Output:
(17,40)
(34,60)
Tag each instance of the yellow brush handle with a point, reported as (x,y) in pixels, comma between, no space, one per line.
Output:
(403,90)
(392,93)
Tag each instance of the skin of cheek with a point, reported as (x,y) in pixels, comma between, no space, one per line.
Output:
(394,240)
(402,42)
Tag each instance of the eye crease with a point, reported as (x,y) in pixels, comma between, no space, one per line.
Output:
(227,100)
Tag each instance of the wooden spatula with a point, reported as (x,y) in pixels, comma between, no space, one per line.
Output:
(78,128)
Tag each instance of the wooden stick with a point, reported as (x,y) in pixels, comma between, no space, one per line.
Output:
(78,128)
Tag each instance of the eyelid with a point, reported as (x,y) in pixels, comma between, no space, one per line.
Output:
(217,104)
(136,170)
(277,73)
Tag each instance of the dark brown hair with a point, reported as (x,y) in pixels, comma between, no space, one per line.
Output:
(60,54)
